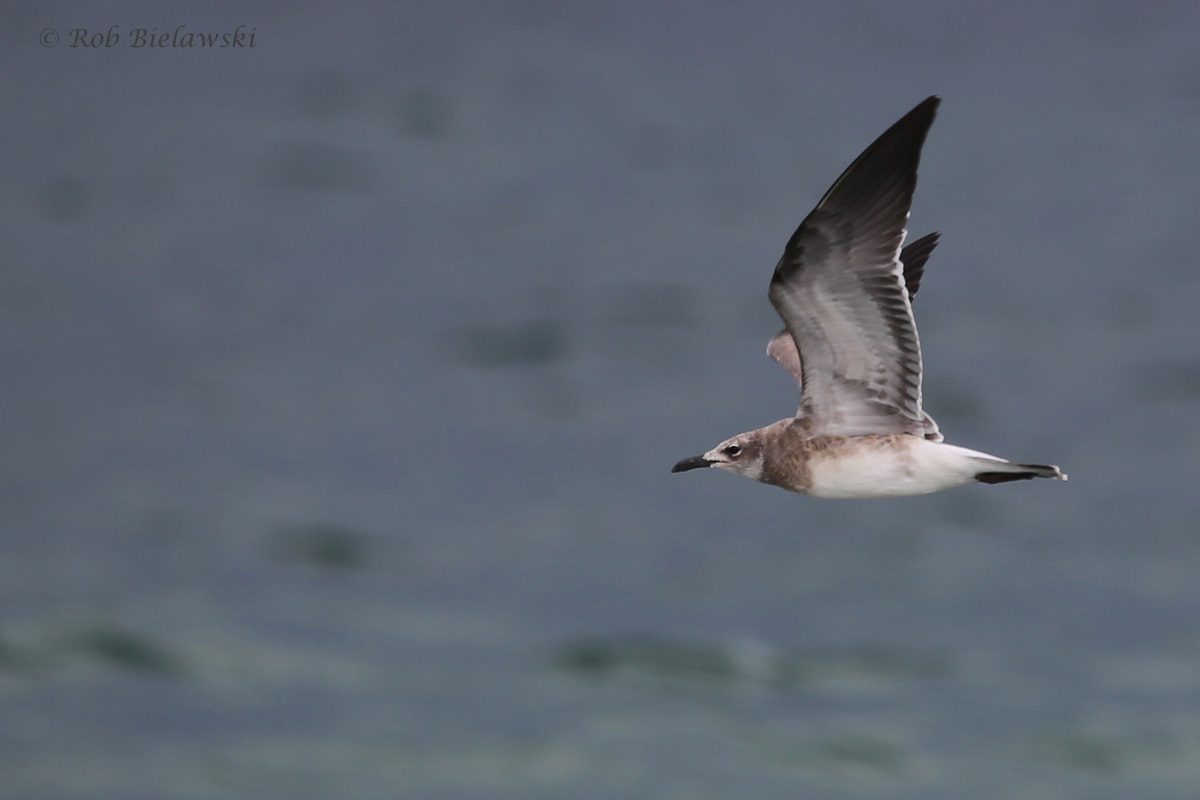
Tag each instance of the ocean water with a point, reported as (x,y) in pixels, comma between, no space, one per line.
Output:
(343,374)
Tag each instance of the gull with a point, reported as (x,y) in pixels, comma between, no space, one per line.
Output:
(844,289)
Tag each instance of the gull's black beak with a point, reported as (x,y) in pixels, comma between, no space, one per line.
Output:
(695,462)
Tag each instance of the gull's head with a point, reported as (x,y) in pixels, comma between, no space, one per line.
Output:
(743,454)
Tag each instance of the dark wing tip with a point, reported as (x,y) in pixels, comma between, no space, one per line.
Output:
(931,102)
(891,158)
(913,257)
(877,188)
(925,110)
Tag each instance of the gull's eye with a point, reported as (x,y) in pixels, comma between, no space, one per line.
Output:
(733,450)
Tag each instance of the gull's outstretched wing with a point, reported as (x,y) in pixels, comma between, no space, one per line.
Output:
(841,290)
(782,348)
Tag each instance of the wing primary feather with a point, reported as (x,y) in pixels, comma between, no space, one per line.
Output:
(913,257)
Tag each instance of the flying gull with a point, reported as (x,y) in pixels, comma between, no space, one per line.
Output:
(844,289)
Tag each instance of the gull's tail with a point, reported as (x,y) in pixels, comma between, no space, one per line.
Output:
(1007,471)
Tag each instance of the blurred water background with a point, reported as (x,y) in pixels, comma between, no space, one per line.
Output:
(342,375)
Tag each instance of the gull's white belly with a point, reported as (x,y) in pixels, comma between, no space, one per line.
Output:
(892,467)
